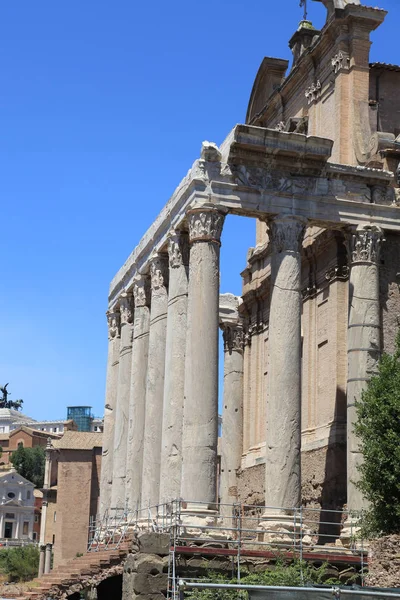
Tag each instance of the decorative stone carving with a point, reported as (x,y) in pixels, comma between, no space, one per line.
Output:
(233,337)
(113,320)
(340,272)
(205,224)
(210,152)
(125,308)
(366,244)
(159,272)
(270,179)
(286,234)
(141,291)
(281,126)
(178,249)
(382,194)
(313,92)
(340,61)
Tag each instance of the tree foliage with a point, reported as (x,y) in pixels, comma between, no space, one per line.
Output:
(378,430)
(21,563)
(29,462)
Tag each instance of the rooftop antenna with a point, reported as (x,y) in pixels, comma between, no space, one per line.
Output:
(304,3)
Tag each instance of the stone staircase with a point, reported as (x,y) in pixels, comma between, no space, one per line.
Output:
(77,571)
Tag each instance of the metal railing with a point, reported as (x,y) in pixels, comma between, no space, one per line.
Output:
(320,592)
(242,532)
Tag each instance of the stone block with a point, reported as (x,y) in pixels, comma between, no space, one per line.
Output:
(148,563)
(154,543)
(144,583)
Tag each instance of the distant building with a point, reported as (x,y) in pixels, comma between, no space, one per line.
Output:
(70,492)
(28,437)
(82,415)
(17,510)
(11,419)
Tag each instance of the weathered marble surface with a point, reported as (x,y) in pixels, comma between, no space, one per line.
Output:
(113,318)
(118,497)
(155,381)
(283,426)
(364,339)
(200,421)
(232,411)
(174,384)
(137,404)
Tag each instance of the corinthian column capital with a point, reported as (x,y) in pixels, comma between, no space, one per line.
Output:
(178,248)
(113,321)
(233,337)
(125,308)
(205,225)
(366,244)
(286,233)
(159,272)
(141,291)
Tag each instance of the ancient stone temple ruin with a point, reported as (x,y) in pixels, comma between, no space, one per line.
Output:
(316,164)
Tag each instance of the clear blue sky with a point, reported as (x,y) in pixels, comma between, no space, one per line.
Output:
(103,108)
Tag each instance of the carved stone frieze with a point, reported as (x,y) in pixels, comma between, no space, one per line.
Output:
(286,234)
(381,194)
(205,224)
(141,291)
(341,61)
(366,244)
(125,308)
(270,179)
(178,249)
(233,337)
(113,321)
(313,92)
(159,272)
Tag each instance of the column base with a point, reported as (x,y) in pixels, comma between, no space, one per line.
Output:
(283,530)
(201,522)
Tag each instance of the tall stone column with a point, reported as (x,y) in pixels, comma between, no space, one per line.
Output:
(283,409)
(200,421)
(155,381)
(232,413)
(174,384)
(47,560)
(364,340)
(137,407)
(46,486)
(113,320)
(118,497)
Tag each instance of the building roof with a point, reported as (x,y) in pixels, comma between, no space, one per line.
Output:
(387,66)
(79,440)
(35,432)
(11,473)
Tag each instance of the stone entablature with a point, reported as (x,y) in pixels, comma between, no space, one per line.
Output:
(255,175)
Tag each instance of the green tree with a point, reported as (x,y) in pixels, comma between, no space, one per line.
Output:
(30,462)
(20,564)
(378,430)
